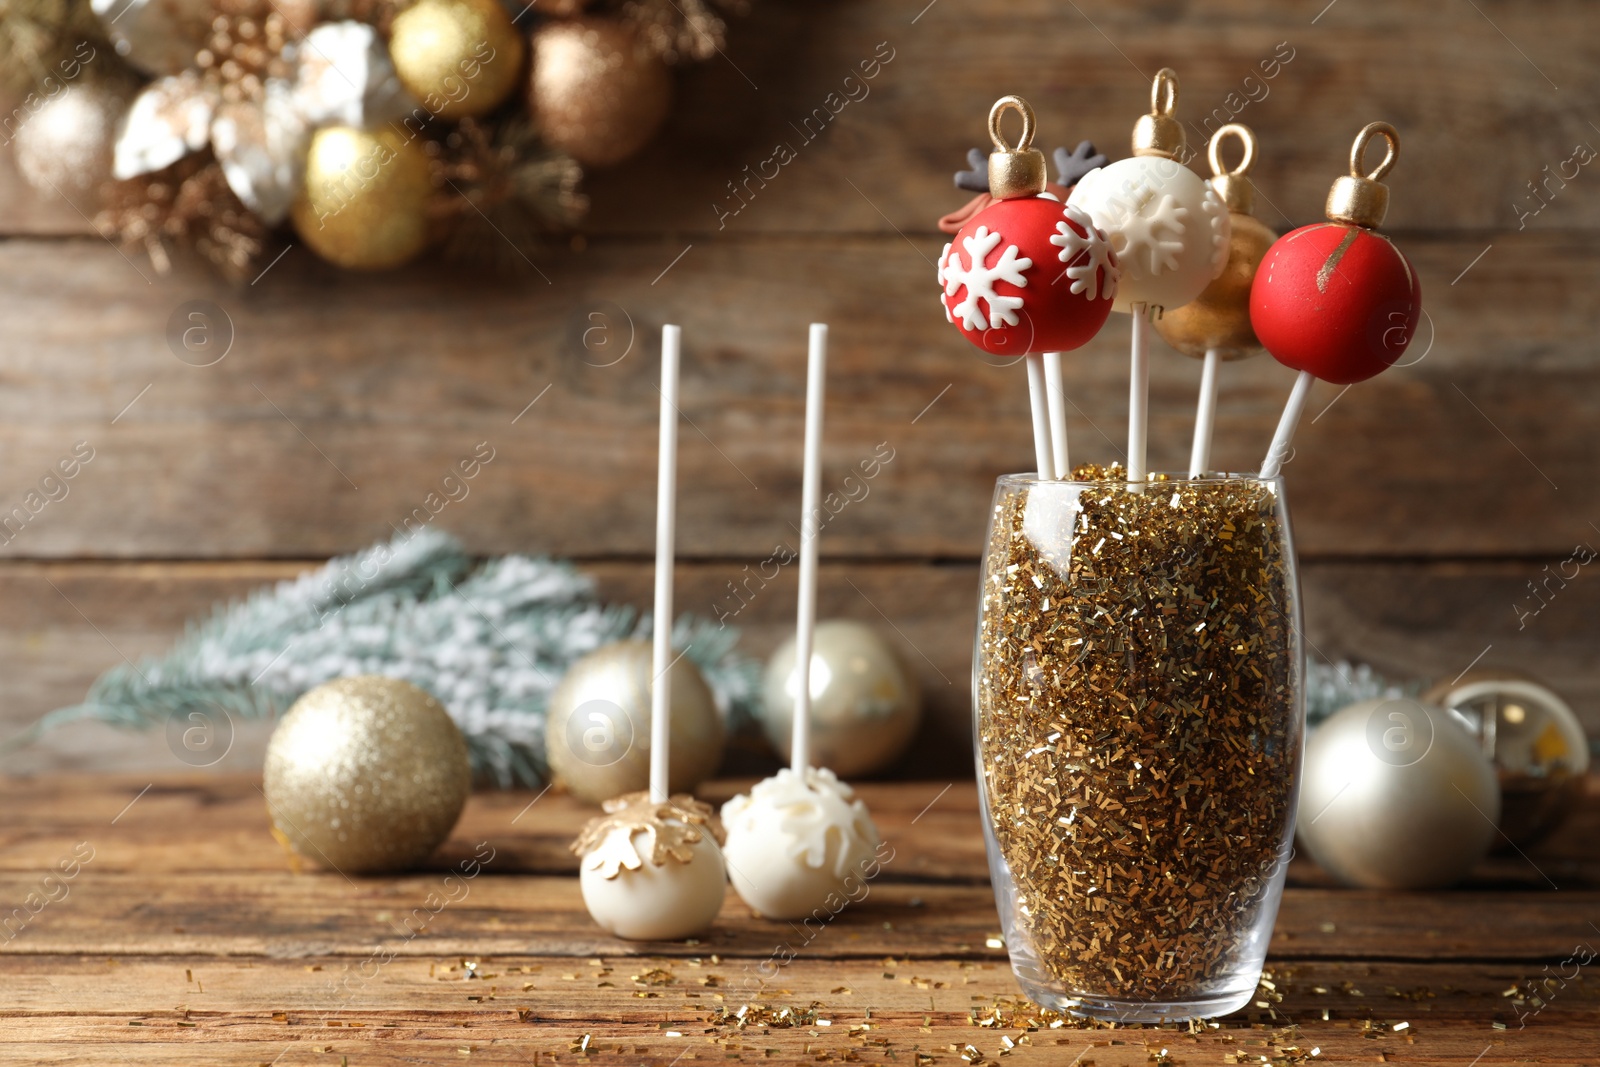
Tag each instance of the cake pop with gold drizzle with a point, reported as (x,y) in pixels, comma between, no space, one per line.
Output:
(1215,326)
(651,867)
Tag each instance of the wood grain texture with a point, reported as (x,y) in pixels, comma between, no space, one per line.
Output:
(345,402)
(185,939)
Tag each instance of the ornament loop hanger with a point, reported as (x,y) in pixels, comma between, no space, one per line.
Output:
(1164,92)
(1359,149)
(1014,172)
(1021,107)
(1246,137)
(1362,199)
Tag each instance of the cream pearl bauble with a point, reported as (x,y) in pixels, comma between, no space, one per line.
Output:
(797,846)
(652,872)
(1396,794)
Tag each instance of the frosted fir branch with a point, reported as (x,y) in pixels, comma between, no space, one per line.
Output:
(490,643)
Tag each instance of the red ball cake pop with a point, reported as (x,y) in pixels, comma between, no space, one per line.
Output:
(1337,299)
(1027,273)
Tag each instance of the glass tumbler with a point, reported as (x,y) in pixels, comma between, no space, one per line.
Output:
(1139,706)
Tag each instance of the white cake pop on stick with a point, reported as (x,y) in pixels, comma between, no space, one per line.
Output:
(800,842)
(1169,230)
(650,868)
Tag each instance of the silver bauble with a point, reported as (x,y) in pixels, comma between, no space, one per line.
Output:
(1396,794)
(597,728)
(65,147)
(1536,743)
(366,774)
(865,705)
(157,36)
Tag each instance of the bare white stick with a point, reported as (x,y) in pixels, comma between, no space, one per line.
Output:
(666,529)
(1291,418)
(810,529)
(1205,416)
(1057,396)
(1138,394)
(1042,453)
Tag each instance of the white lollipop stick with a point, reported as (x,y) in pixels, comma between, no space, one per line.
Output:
(1286,424)
(1058,413)
(1138,393)
(1043,457)
(666,528)
(811,491)
(1205,416)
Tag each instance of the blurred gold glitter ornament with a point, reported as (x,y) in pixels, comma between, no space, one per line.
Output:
(366,774)
(865,705)
(365,198)
(1219,318)
(66,145)
(597,732)
(461,58)
(596,91)
(1537,745)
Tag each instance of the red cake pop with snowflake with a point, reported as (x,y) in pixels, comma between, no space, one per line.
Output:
(1027,274)
(1336,300)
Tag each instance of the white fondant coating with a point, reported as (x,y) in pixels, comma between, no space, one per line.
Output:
(648,901)
(1168,227)
(796,847)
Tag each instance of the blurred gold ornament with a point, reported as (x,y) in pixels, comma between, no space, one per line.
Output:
(1219,318)
(365,198)
(366,774)
(1537,745)
(865,704)
(597,732)
(461,58)
(596,92)
(66,145)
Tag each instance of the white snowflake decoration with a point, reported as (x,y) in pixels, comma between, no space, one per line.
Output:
(1085,276)
(1154,237)
(980,280)
(1216,213)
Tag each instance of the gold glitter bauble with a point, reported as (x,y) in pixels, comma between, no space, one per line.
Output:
(65,146)
(364,205)
(366,774)
(865,705)
(597,732)
(460,58)
(596,91)
(1219,317)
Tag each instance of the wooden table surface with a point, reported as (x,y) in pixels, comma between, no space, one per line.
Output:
(185,937)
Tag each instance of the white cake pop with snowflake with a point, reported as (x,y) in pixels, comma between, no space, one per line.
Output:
(801,841)
(1168,226)
(650,868)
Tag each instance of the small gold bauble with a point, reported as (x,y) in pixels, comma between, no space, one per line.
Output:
(366,774)
(1219,317)
(865,704)
(364,205)
(596,91)
(460,58)
(597,726)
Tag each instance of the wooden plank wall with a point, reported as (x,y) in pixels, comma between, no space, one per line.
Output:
(1425,501)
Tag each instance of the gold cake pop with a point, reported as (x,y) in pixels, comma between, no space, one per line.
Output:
(1219,318)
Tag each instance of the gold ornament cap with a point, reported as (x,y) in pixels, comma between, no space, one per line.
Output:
(1362,199)
(1158,133)
(1234,186)
(1019,171)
